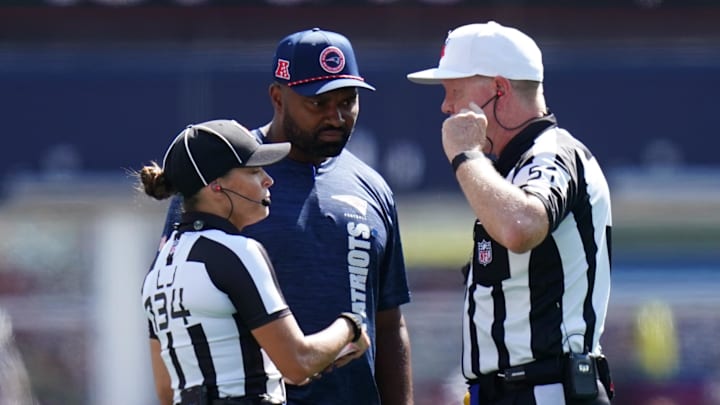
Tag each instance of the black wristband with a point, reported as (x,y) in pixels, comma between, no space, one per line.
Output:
(463,156)
(356,321)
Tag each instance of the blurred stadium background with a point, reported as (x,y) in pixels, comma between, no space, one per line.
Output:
(94,89)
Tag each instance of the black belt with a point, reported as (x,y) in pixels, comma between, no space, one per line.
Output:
(540,372)
(206,395)
(244,401)
(546,371)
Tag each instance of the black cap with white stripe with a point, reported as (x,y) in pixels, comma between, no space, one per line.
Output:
(203,152)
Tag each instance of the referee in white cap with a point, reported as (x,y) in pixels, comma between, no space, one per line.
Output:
(538,285)
(220,330)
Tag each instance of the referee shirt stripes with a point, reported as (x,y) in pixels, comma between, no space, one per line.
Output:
(524,307)
(209,287)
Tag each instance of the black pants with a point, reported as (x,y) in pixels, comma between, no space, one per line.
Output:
(238,402)
(549,394)
(200,395)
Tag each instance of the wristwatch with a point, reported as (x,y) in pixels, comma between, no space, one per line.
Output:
(461,157)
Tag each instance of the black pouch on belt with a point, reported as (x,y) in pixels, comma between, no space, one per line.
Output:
(580,376)
(604,374)
(197,395)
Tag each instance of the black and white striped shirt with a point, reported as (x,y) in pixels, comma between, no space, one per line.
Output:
(524,307)
(209,287)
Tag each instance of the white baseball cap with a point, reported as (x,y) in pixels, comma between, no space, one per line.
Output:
(488,49)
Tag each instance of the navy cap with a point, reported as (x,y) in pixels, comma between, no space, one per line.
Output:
(314,61)
(203,152)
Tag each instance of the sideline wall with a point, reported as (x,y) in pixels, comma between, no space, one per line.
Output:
(102,89)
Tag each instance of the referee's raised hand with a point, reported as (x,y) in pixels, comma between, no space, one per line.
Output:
(464,131)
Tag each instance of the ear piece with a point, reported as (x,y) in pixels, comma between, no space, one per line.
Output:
(500,93)
(215,187)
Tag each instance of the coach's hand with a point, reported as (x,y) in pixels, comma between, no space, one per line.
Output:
(464,131)
(353,350)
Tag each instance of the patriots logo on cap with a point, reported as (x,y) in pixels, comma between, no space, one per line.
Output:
(332,60)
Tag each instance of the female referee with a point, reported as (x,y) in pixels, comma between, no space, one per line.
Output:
(220,330)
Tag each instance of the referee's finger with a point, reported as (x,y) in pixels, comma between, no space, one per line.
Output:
(476,109)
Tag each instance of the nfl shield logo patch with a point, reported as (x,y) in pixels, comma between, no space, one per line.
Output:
(484,252)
